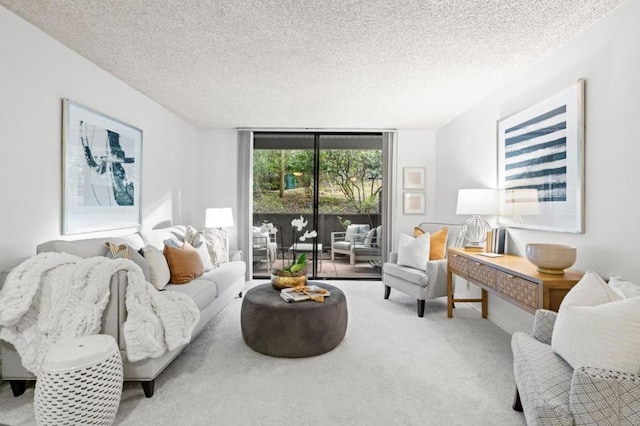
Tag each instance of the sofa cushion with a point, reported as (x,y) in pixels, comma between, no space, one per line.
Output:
(202,291)
(413,252)
(596,328)
(115,251)
(184,263)
(225,275)
(368,240)
(624,289)
(341,245)
(217,246)
(603,336)
(356,232)
(438,242)
(159,274)
(362,250)
(543,379)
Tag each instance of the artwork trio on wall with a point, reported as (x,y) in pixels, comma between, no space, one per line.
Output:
(102,170)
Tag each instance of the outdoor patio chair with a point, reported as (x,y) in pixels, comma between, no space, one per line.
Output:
(264,247)
(343,241)
(370,249)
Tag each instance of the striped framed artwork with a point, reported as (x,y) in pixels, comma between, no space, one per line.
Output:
(541,164)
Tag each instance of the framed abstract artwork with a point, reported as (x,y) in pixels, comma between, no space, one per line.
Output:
(101,171)
(541,164)
(413,178)
(414,203)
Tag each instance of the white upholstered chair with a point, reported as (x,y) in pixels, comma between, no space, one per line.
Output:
(428,284)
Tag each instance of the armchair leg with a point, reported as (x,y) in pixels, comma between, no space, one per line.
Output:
(421,308)
(18,386)
(387,291)
(148,388)
(517,404)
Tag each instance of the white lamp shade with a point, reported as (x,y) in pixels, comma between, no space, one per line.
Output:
(218,217)
(477,202)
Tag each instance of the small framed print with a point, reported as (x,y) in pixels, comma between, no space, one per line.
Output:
(414,203)
(413,178)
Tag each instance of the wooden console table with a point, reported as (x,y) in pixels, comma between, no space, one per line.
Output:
(513,278)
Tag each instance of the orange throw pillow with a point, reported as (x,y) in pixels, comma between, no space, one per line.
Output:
(185,264)
(438,249)
(438,244)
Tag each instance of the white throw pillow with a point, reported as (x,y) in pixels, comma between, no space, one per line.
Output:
(203,251)
(624,289)
(216,245)
(595,328)
(591,290)
(159,273)
(414,252)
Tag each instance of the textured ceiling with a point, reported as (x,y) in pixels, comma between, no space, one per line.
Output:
(405,64)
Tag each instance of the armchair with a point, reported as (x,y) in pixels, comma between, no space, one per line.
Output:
(428,284)
(343,241)
(549,391)
(370,249)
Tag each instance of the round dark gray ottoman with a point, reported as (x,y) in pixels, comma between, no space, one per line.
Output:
(292,330)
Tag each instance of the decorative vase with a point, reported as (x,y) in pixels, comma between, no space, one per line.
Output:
(279,282)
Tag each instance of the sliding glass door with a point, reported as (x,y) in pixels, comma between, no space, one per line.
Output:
(328,180)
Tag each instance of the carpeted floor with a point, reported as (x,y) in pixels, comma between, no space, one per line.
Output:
(392,368)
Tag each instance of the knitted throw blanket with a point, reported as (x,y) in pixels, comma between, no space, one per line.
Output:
(55,296)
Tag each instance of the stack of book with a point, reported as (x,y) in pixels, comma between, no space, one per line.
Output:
(312,292)
(496,239)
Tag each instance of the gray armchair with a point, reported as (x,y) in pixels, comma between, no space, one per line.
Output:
(550,392)
(423,285)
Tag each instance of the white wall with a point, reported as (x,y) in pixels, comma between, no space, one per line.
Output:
(218,175)
(415,148)
(607,55)
(36,73)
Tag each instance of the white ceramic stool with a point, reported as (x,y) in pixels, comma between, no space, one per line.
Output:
(80,382)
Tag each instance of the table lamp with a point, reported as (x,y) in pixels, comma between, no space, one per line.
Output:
(476,202)
(218,218)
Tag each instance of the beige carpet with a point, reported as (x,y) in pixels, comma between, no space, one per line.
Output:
(392,368)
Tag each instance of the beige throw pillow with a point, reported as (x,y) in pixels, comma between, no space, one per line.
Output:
(159,274)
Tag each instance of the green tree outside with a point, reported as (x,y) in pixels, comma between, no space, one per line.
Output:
(350,181)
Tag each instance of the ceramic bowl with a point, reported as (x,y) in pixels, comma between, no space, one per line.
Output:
(551,258)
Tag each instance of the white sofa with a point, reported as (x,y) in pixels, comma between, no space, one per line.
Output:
(211,292)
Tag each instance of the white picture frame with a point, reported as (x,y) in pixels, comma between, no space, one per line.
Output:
(414,202)
(541,164)
(413,178)
(101,171)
